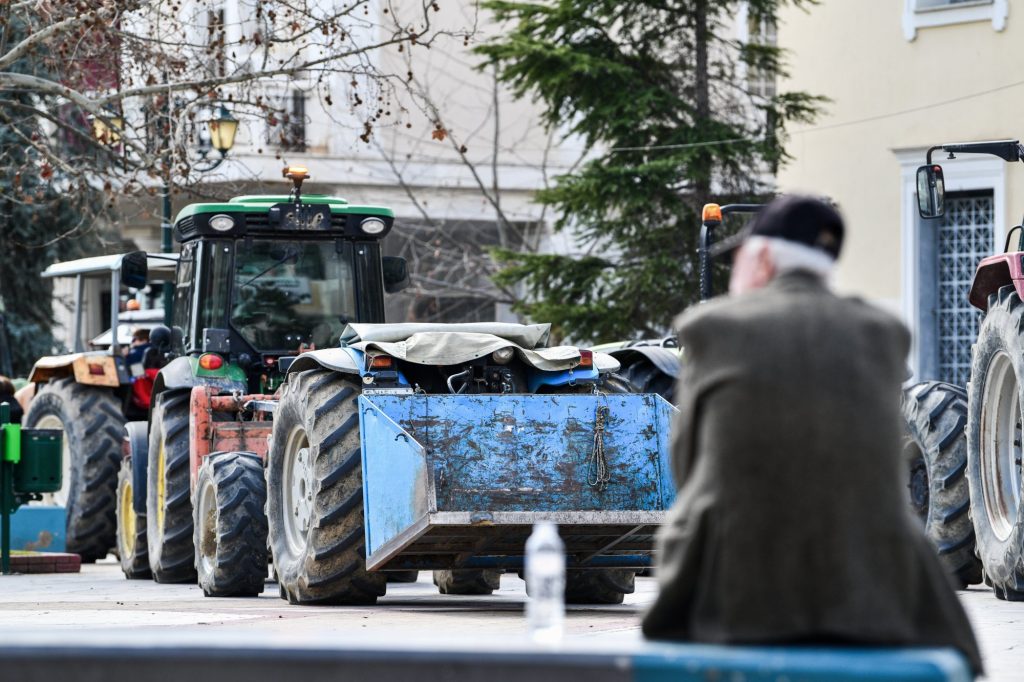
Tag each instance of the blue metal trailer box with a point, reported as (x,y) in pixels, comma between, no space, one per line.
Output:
(458,481)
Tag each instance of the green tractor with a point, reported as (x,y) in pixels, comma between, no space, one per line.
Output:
(259,278)
(374,449)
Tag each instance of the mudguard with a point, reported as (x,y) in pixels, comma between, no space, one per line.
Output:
(665,359)
(347,360)
(180,373)
(137,436)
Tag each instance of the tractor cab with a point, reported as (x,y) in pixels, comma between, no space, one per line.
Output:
(263,277)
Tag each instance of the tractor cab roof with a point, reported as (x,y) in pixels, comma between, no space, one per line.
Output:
(159,265)
(278,216)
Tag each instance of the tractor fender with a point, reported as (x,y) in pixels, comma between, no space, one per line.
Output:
(665,359)
(136,436)
(995,272)
(178,374)
(344,359)
(97,368)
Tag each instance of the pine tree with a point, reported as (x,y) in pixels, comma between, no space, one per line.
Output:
(657,92)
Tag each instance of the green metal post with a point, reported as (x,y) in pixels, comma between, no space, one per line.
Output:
(166,244)
(167,247)
(6,498)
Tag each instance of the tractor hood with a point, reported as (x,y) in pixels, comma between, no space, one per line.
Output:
(451,344)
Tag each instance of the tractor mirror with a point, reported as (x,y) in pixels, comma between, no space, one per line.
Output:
(931,191)
(396,274)
(134,269)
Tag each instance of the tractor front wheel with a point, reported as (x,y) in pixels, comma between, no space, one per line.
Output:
(994,444)
(467,581)
(168,500)
(315,493)
(231,525)
(935,452)
(131,528)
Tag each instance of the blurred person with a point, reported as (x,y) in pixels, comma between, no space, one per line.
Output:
(7,396)
(792,524)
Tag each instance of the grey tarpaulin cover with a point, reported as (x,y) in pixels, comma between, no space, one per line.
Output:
(451,344)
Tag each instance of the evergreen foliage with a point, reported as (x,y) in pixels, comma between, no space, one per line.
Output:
(666,77)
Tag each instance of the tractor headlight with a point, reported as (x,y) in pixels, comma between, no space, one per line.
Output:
(222,223)
(503,356)
(372,226)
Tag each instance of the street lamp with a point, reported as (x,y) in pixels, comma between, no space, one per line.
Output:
(107,128)
(222,131)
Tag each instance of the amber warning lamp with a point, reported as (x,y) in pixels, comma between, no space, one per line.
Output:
(296,174)
(712,213)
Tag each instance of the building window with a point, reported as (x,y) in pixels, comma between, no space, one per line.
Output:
(215,41)
(288,123)
(919,14)
(761,82)
(961,238)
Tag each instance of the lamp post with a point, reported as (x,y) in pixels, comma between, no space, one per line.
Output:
(222,130)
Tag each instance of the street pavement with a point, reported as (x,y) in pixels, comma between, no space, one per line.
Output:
(99,605)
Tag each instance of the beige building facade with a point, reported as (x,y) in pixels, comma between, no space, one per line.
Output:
(901,76)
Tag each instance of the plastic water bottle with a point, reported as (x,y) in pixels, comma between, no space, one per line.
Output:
(545,578)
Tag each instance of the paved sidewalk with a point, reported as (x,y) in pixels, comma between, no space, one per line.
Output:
(98,604)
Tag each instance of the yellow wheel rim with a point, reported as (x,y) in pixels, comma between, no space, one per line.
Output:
(127,520)
(161,486)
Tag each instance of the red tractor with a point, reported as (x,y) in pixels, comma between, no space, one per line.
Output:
(992,470)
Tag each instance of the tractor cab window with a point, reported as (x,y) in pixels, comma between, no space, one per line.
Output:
(182,311)
(290,293)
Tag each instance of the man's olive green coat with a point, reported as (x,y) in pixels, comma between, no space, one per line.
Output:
(792,522)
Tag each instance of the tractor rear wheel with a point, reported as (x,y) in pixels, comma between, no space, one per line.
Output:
(92,422)
(315,493)
(131,528)
(994,443)
(646,377)
(936,455)
(168,500)
(231,525)
(467,581)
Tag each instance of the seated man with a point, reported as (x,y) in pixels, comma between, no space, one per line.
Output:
(792,523)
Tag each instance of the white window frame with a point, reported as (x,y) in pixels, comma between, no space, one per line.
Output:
(924,14)
(969,172)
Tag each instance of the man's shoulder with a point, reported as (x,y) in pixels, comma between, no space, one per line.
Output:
(723,312)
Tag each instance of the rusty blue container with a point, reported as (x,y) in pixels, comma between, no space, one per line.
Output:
(460,480)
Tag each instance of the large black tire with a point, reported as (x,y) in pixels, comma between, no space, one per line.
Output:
(994,443)
(231,525)
(936,455)
(132,549)
(645,376)
(604,586)
(467,581)
(93,423)
(168,501)
(320,556)
(402,576)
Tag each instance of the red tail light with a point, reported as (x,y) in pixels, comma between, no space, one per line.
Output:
(382,362)
(586,358)
(211,361)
